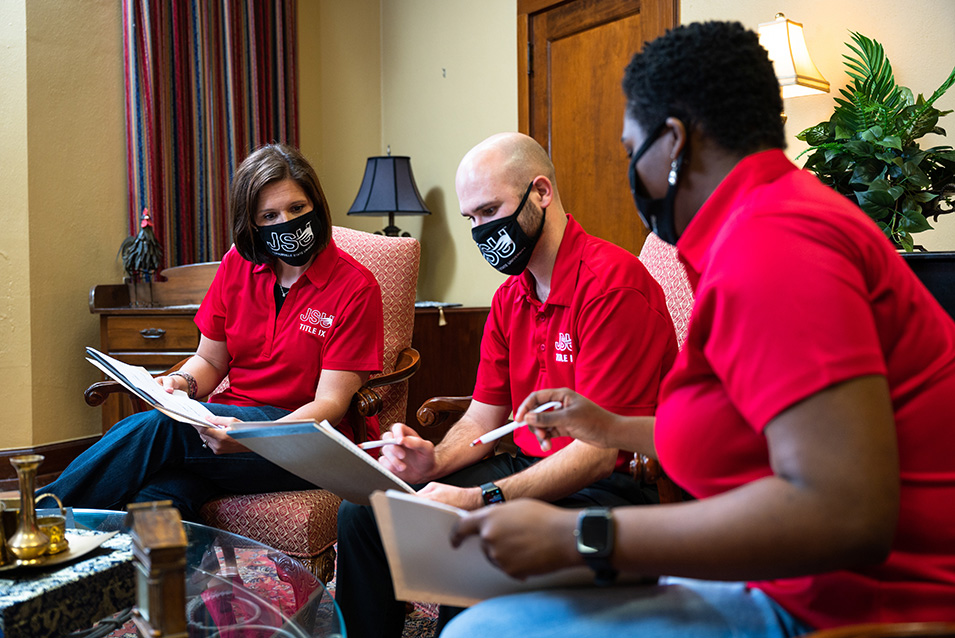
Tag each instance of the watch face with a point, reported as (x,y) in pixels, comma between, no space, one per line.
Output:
(595,534)
(491,494)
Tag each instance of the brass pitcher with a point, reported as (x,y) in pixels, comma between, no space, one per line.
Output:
(29,542)
(54,526)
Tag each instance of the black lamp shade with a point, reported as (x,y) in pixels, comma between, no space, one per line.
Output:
(388,188)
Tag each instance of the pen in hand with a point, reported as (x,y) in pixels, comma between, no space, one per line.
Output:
(371,445)
(497,433)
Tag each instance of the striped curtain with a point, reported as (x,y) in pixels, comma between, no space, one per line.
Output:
(207,81)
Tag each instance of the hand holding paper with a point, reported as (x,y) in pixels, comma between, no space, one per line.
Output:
(136,379)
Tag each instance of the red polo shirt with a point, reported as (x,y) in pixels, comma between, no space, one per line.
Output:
(604,331)
(331,319)
(797,290)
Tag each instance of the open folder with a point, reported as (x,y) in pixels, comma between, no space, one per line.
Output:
(320,454)
(416,533)
(137,380)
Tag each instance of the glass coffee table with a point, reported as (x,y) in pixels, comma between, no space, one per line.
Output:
(240,588)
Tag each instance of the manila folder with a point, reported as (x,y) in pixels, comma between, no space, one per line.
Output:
(320,454)
(416,533)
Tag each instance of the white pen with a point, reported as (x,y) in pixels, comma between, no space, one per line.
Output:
(371,445)
(497,433)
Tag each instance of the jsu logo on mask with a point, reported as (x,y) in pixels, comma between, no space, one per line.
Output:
(498,248)
(565,348)
(293,242)
(315,322)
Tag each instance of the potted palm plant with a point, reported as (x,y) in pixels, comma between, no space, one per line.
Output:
(869,151)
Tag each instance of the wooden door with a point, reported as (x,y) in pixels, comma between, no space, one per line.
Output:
(572,54)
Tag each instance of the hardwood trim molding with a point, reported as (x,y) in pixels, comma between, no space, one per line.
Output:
(57,457)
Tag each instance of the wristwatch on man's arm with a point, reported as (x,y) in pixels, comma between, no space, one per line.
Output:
(491,494)
(595,538)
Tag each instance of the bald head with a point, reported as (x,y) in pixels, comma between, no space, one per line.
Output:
(508,159)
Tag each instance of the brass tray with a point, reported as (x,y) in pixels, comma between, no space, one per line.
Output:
(79,546)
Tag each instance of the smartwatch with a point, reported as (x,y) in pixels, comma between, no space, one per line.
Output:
(491,494)
(595,540)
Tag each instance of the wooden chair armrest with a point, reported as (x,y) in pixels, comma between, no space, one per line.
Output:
(406,365)
(367,400)
(643,468)
(442,411)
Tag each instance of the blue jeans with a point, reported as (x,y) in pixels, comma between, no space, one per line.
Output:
(676,608)
(150,457)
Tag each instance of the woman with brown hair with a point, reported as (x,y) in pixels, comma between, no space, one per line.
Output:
(295,324)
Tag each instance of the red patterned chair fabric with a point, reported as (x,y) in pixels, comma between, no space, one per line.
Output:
(660,259)
(303,524)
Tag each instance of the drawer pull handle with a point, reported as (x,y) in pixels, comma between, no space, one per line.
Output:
(152,333)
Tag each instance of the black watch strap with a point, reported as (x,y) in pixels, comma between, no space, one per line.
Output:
(491,494)
(595,536)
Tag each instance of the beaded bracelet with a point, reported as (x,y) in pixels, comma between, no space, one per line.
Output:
(191,380)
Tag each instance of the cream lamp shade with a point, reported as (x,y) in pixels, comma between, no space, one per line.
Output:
(795,71)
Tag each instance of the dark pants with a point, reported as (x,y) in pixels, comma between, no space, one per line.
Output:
(150,457)
(364,591)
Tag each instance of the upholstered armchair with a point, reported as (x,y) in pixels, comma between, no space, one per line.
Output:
(303,524)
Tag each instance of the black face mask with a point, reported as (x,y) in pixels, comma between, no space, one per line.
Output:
(504,243)
(293,241)
(657,214)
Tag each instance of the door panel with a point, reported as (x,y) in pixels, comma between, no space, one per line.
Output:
(571,100)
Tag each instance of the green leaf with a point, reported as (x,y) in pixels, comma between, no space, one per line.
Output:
(877,203)
(843,133)
(908,244)
(914,175)
(914,221)
(865,173)
(873,134)
(891,141)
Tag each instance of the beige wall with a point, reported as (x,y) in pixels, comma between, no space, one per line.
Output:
(450,80)
(427,78)
(430,78)
(15,365)
(340,96)
(63,211)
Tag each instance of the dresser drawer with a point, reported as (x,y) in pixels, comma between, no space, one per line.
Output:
(151,333)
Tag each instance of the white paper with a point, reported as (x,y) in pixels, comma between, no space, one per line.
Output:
(137,379)
(416,533)
(320,454)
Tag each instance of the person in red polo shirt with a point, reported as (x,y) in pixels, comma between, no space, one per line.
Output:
(577,311)
(295,324)
(810,410)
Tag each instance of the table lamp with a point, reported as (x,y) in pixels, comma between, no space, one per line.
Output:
(388,188)
(797,74)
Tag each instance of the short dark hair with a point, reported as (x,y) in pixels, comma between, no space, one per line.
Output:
(268,164)
(714,75)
